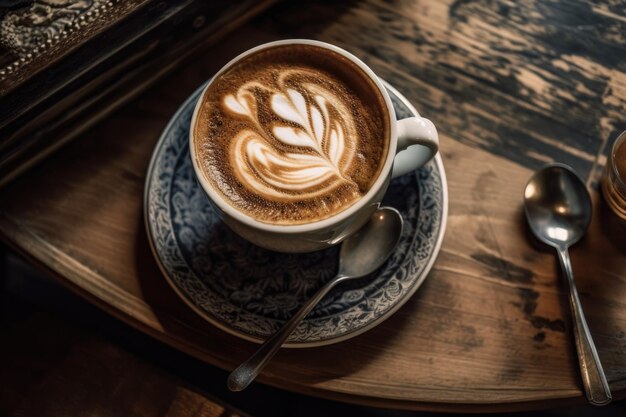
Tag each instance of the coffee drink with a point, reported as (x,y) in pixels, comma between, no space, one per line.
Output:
(291,134)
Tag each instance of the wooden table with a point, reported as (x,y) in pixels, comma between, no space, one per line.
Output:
(62,357)
(510,87)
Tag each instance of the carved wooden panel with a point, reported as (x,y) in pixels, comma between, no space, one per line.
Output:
(64,64)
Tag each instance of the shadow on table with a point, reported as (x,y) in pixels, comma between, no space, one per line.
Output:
(612,226)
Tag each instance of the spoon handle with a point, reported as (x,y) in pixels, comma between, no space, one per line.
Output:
(245,373)
(594,380)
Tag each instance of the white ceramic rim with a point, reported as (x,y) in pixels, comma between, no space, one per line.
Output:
(321,224)
(229,330)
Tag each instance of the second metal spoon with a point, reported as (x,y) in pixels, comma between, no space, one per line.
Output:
(360,254)
(558,209)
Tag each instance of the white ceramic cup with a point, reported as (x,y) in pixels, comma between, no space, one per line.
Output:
(412,143)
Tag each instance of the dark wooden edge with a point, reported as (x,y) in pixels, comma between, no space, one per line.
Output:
(31,143)
(10,232)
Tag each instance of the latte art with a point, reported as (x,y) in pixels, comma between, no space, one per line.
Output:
(291,135)
(319,125)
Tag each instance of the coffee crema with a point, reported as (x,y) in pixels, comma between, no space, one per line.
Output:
(292,134)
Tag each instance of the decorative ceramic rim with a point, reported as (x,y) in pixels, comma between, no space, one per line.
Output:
(375,322)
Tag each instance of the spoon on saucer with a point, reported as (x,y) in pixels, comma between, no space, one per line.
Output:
(558,210)
(362,253)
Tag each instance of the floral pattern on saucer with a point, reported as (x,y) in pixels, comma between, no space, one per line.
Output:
(249,291)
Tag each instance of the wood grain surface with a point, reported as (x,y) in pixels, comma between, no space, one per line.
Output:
(510,86)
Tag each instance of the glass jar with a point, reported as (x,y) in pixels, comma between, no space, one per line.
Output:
(614,177)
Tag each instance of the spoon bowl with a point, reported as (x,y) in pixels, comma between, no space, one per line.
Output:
(558,206)
(365,251)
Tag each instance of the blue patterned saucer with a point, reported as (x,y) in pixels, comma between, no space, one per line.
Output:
(248,291)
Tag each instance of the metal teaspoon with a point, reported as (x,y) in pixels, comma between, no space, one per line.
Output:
(558,210)
(360,254)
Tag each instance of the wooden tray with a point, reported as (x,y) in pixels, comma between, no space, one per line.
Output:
(489,329)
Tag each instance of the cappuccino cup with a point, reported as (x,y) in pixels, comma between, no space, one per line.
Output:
(295,143)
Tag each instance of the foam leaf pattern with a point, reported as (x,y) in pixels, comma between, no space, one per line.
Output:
(238,104)
(293,136)
(303,152)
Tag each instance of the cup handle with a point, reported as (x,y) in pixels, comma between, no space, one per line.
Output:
(414,131)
